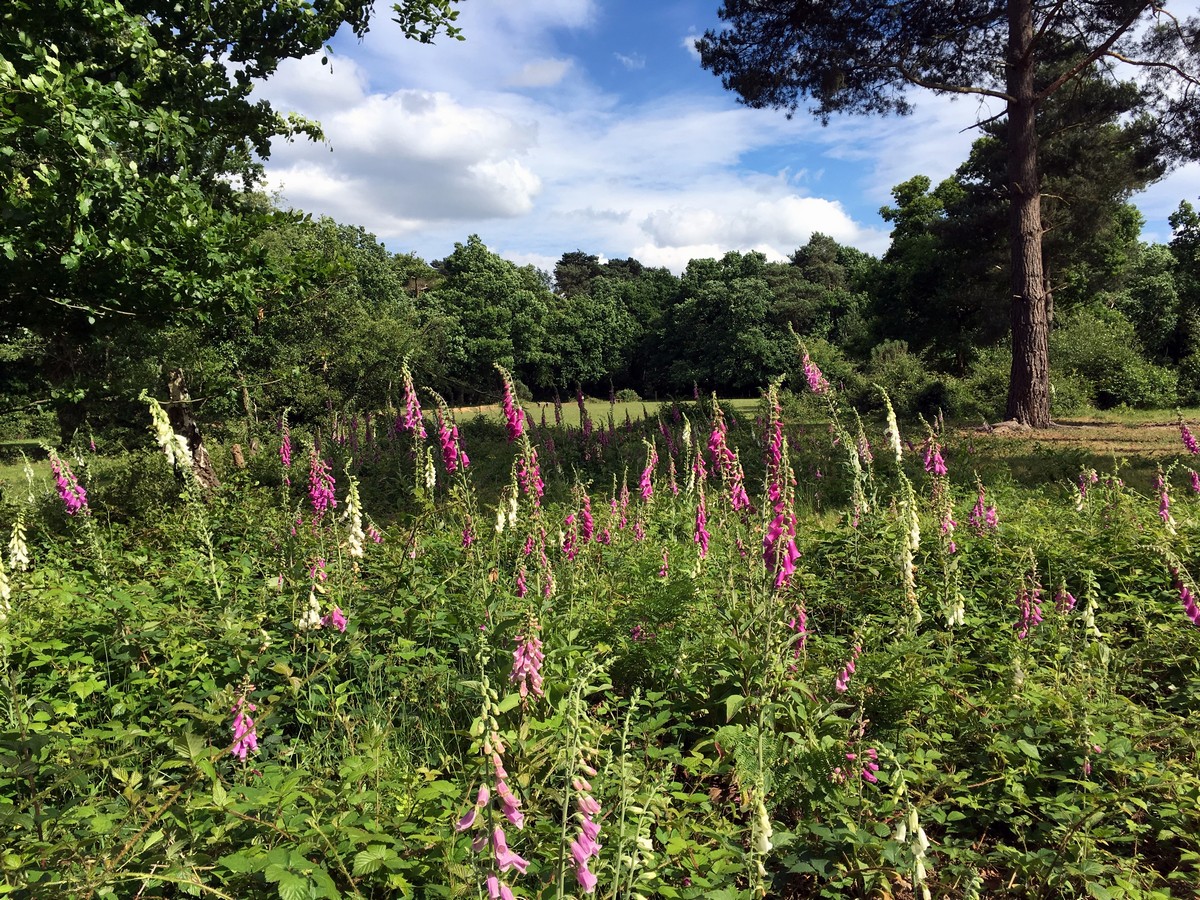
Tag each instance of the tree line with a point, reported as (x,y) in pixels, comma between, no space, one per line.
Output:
(926,321)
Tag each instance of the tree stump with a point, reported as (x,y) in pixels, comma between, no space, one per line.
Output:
(179,411)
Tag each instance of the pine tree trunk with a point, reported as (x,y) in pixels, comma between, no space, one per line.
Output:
(1029,382)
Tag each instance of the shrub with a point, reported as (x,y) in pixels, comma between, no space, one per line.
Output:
(1101,346)
(905,376)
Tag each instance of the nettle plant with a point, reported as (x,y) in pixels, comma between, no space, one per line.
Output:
(706,652)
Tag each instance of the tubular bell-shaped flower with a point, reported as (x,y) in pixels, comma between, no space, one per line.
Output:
(70,491)
(514,415)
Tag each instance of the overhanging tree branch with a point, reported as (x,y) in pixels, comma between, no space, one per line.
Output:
(940,87)
(1101,51)
(1154,64)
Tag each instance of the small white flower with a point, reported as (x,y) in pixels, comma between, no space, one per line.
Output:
(354,513)
(174,446)
(312,615)
(763,830)
(18,550)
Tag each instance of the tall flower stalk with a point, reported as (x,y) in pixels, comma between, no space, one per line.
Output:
(495,799)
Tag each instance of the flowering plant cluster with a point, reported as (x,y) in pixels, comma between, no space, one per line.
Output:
(842,682)
(482,817)
(816,381)
(1189,440)
(321,486)
(1186,597)
(983,517)
(527,661)
(174,446)
(453,455)
(514,415)
(412,419)
(585,845)
(1030,602)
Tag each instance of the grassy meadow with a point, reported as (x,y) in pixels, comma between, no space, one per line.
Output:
(762,649)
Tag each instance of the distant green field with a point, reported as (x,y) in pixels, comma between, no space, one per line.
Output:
(598,410)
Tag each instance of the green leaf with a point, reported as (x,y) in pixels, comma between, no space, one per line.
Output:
(733,703)
(371,860)
(1029,749)
(240,862)
(293,887)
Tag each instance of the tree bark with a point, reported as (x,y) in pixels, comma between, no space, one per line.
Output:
(1029,380)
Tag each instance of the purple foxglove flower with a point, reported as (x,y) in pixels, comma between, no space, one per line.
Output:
(245,732)
(1189,441)
(512,805)
(527,662)
(816,381)
(514,415)
(466,821)
(70,491)
(335,618)
(505,858)
(321,486)
(700,535)
(586,879)
(587,523)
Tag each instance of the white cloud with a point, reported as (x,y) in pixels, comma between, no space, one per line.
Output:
(689,44)
(631,62)
(307,87)
(509,137)
(776,223)
(411,157)
(540,73)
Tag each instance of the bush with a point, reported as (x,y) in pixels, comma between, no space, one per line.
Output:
(982,393)
(1101,346)
(913,389)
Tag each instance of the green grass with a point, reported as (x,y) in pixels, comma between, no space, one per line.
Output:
(598,410)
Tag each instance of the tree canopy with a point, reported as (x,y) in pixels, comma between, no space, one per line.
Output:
(130,140)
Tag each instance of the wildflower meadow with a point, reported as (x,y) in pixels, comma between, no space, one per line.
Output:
(704,651)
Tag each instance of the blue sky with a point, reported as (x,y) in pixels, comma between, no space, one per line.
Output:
(560,125)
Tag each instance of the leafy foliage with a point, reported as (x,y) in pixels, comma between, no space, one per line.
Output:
(1056,763)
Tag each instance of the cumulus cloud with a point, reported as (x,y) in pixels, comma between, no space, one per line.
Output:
(689,44)
(404,159)
(631,62)
(788,221)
